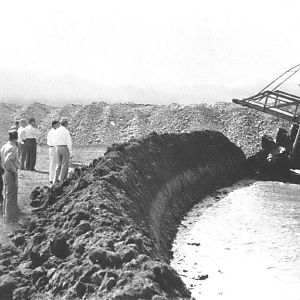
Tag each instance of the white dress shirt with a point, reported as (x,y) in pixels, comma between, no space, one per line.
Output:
(51,137)
(31,132)
(21,135)
(62,137)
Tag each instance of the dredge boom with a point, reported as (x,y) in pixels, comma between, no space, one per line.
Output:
(275,102)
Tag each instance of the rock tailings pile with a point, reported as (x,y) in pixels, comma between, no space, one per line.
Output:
(103,123)
(107,232)
(245,127)
(7,113)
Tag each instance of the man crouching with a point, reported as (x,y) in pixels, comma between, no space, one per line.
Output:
(10,164)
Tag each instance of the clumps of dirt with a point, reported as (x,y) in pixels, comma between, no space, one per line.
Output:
(106,233)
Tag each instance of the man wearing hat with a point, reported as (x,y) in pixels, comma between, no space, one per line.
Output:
(10,164)
(63,145)
(31,133)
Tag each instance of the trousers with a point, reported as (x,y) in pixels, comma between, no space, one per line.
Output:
(63,156)
(10,203)
(22,155)
(31,146)
(52,163)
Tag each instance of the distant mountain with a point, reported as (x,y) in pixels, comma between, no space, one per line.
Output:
(28,87)
(22,87)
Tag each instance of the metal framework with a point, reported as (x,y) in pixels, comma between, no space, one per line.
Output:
(276,102)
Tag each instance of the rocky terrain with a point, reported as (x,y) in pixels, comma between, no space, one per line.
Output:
(106,233)
(102,123)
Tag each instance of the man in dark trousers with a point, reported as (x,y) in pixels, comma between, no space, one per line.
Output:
(31,134)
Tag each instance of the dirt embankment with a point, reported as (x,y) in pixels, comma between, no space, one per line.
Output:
(107,233)
(103,123)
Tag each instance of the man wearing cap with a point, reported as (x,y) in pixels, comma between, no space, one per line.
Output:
(52,151)
(10,164)
(21,143)
(63,145)
(31,133)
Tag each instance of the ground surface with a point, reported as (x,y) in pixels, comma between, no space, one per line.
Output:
(28,181)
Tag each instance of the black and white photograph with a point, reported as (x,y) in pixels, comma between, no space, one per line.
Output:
(149,150)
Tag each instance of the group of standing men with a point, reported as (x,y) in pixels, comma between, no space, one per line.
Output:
(20,153)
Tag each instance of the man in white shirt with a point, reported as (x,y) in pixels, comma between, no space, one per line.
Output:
(52,151)
(10,164)
(32,134)
(63,145)
(21,143)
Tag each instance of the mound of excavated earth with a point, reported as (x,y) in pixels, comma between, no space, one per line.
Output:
(106,233)
(103,123)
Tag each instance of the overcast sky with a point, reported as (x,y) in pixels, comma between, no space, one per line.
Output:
(228,43)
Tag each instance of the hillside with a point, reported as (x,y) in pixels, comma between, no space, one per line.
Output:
(103,123)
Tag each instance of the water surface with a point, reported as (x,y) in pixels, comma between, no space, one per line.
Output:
(246,239)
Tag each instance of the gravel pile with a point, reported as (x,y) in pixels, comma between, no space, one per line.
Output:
(7,113)
(103,123)
(245,127)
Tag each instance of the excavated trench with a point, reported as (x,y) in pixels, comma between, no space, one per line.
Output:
(107,232)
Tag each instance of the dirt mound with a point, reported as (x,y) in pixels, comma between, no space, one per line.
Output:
(107,232)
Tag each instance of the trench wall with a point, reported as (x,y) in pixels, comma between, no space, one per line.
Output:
(163,176)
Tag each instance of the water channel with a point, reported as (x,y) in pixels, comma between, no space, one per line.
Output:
(243,242)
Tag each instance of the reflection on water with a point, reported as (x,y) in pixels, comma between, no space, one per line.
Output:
(247,242)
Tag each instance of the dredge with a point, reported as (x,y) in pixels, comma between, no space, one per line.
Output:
(278,158)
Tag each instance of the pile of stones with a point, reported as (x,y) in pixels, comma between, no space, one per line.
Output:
(103,123)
